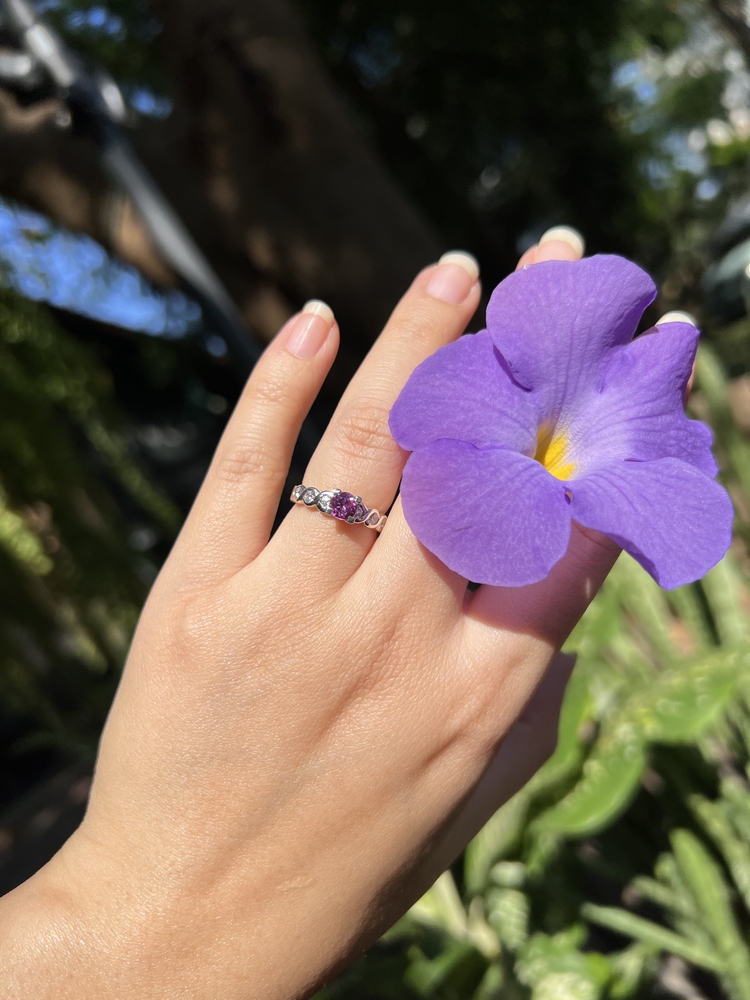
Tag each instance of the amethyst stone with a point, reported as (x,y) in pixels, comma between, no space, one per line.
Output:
(343,506)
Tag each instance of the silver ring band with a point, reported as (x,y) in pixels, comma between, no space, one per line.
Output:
(343,506)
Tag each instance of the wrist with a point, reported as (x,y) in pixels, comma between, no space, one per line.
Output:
(38,943)
(89,926)
(72,932)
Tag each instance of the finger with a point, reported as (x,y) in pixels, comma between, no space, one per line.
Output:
(234,512)
(558,243)
(400,565)
(528,257)
(529,743)
(677,316)
(357,453)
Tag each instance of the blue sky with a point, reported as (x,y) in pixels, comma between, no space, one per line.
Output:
(71,271)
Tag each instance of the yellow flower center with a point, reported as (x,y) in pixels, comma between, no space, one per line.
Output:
(552,451)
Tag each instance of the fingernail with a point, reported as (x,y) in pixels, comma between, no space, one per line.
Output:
(676,316)
(310,329)
(455,276)
(566,234)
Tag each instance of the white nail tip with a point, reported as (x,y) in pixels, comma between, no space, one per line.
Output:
(464,260)
(567,235)
(316,307)
(677,317)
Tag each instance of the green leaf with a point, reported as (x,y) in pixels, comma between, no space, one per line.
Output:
(508,874)
(692,613)
(686,917)
(441,907)
(20,543)
(707,884)
(577,710)
(610,779)
(715,818)
(662,895)
(734,792)
(677,707)
(508,915)
(491,984)
(494,840)
(459,962)
(682,703)
(554,967)
(723,586)
(601,621)
(629,969)
(650,934)
(644,598)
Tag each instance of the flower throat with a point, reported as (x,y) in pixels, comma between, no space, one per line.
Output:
(552,452)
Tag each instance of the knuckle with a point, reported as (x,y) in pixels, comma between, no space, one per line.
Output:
(362,432)
(418,325)
(420,321)
(185,626)
(270,389)
(244,460)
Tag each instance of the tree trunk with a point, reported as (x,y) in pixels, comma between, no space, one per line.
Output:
(262,162)
(732,17)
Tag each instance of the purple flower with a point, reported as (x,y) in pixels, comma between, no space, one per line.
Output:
(555,414)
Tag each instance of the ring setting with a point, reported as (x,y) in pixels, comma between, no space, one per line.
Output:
(339,504)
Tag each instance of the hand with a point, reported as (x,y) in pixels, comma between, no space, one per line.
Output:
(308,729)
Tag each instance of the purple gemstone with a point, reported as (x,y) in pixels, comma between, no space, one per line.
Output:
(344,505)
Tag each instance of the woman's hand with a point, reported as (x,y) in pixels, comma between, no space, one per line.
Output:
(308,729)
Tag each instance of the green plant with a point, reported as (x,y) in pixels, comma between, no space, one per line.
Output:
(70,587)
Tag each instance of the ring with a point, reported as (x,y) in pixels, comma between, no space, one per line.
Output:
(342,506)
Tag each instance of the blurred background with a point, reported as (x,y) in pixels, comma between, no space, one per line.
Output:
(330,149)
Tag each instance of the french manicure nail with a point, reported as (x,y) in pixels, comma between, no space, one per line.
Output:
(566,234)
(310,329)
(454,277)
(677,316)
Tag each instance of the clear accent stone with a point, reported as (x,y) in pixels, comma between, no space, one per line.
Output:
(297,492)
(310,496)
(373,518)
(324,501)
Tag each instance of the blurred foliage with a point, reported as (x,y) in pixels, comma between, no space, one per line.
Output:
(504,119)
(70,588)
(121,35)
(494,115)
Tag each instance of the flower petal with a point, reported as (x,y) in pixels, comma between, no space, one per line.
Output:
(464,392)
(639,412)
(676,521)
(492,515)
(554,323)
